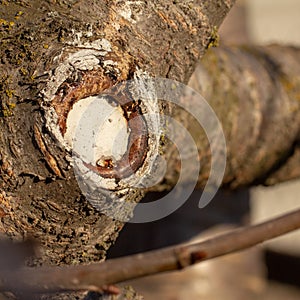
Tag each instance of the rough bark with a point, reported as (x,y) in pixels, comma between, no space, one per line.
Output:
(39,194)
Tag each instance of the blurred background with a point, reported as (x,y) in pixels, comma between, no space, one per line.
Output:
(269,271)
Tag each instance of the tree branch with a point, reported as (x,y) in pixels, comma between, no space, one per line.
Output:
(98,275)
(75,50)
(255,94)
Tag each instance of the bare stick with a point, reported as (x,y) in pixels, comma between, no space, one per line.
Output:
(98,275)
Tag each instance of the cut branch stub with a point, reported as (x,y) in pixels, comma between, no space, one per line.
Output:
(110,125)
(122,143)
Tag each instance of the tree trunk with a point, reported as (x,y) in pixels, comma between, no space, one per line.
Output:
(54,53)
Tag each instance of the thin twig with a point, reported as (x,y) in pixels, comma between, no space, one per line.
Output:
(97,275)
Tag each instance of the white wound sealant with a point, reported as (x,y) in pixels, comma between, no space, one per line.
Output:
(97,129)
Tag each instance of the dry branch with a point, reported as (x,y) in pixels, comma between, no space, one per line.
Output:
(98,275)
